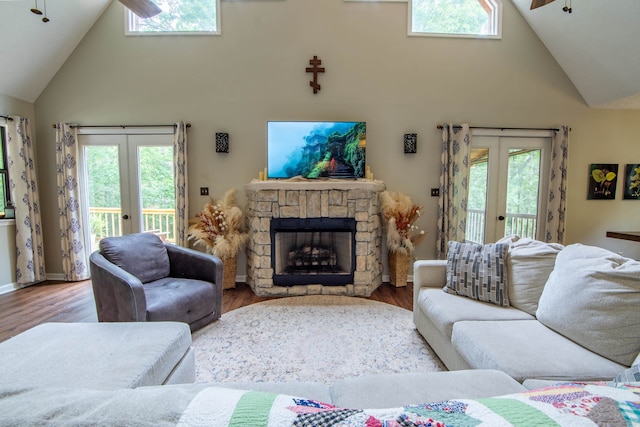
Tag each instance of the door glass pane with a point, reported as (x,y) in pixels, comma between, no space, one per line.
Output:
(522,192)
(103,185)
(157,191)
(477,205)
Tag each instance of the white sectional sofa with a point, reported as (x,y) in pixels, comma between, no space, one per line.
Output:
(573,315)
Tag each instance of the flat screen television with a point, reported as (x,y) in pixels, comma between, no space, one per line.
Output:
(316,149)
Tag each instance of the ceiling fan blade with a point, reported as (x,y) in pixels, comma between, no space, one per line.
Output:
(142,8)
(538,3)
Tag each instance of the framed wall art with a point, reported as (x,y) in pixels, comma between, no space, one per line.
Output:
(602,181)
(632,181)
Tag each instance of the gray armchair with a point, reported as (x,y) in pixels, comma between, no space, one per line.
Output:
(138,278)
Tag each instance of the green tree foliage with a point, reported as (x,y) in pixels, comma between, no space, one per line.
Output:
(103,176)
(181,16)
(449,17)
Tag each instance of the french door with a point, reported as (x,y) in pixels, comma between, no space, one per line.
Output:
(127,182)
(507,185)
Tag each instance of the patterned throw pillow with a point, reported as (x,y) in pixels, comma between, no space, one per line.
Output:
(478,271)
(631,375)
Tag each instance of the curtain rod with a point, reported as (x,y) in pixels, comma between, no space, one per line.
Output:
(6,118)
(499,128)
(121,126)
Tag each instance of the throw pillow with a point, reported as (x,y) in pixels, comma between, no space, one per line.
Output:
(478,271)
(529,264)
(141,254)
(631,375)
(592,297)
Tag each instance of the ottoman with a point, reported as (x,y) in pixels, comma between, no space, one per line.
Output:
(99,355)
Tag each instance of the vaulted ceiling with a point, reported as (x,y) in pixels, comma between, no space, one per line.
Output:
(596,45)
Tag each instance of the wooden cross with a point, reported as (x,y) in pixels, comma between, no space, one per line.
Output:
(315,70)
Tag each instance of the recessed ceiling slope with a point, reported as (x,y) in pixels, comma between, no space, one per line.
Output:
(33,50)
(596,46)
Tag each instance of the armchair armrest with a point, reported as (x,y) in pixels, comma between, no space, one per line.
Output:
(118,294)
(428,274)
(192,264)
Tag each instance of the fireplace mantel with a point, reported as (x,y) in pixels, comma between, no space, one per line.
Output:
(305,198)
(315,184)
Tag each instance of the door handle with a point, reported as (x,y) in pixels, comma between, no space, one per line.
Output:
(125,216)
(501,218)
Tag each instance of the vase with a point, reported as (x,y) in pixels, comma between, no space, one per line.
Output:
(229,265)
(398,268)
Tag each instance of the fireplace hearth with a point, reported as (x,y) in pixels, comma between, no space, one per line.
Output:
(310,237)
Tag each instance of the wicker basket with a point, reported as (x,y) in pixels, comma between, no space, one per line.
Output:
(229,265)
(398,268)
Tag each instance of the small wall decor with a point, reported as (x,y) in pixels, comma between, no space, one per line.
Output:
(602,181)
(315,69)
(222,142)
(410,142)
(632,181)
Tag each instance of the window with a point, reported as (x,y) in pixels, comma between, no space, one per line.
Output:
(6,207)
(455,18)
(507,185)
(178,17)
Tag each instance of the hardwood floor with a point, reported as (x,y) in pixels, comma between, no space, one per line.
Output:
(73,302)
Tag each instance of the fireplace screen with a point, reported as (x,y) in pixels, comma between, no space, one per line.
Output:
(312,250)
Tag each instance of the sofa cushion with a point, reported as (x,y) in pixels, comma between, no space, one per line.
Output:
(593,297)
(141,254)
(444,310)
(529,264)
(528,349)
(391,390)
(478,271)
(96,355)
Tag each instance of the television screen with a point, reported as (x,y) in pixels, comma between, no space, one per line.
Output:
(316,149)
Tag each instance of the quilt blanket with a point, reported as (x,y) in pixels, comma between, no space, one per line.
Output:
(564,405)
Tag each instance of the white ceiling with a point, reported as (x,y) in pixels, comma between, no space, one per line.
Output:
(596,45)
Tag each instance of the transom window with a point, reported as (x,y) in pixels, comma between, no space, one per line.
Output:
(178,17)
(455,18)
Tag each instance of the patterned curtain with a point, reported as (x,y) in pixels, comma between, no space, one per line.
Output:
(75,265)
(180,173)
(24,194)
(557,202)
(454,179)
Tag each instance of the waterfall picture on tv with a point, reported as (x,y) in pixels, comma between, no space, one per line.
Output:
(316,149)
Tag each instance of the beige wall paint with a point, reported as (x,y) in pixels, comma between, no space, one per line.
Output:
(10,106)
(254,72)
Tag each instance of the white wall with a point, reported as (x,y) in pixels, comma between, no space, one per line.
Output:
(255,72)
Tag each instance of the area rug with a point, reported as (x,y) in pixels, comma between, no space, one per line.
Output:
(311,338)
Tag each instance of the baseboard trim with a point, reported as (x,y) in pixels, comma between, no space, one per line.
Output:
(55,276)
(9,287)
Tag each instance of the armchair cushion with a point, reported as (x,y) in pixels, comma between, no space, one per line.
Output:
(143,254)
(181,300)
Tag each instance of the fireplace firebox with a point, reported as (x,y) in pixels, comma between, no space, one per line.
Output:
(313,251)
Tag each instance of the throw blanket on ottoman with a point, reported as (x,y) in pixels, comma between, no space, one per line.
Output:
(565,405)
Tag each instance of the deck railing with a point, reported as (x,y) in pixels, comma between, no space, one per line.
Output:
(108,222)
(524,225)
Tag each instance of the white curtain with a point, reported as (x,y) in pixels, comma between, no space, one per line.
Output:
(24,194)
(75,265)
(557,201)
(454,181)
(180,173)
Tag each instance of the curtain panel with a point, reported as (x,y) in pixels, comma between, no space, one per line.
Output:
(75,264)
(181,182)
(24,194)
(557,201)
(454,181)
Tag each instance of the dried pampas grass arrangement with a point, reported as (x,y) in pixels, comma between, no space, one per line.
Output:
(400,214)
(218,227)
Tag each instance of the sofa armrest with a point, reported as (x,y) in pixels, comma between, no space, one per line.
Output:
(118,294)
(428,274)
(191,264)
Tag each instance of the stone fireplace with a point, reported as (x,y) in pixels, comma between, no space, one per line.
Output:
(314,237)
